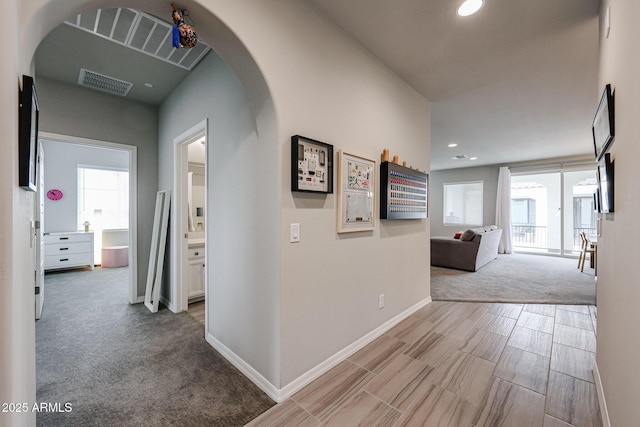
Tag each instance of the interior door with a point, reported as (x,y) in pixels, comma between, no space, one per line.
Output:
(39,231)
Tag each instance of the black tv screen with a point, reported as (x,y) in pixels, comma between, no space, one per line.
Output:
(605,183)
(28,135)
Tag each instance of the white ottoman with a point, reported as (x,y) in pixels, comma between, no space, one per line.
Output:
(115,256)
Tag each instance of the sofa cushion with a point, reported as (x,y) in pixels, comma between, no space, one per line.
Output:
(467,235)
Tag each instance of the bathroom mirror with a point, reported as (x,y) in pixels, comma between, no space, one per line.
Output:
(156,255)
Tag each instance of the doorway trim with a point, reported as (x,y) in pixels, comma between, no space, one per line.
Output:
(179,222)
(132,151)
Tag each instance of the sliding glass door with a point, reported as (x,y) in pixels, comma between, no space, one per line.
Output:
(550,209)
(535,212)
(579,214)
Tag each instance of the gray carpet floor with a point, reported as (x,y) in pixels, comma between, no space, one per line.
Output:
(517,278)
(120,365)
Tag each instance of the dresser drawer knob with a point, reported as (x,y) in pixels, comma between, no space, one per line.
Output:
(64,249)
(64,259)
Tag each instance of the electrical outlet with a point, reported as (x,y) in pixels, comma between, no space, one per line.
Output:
(381,301)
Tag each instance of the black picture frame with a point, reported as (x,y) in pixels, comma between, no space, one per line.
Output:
(311,165)
(29,114)
(603,127)
(606,186)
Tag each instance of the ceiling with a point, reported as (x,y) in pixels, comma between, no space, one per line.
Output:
(517,81)
(122,44)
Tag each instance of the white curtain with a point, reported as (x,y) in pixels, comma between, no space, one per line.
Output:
(503,210)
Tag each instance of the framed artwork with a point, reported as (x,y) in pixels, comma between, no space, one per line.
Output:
(28,135)
(311,165)
(356,193)
(603,128)
(403,192)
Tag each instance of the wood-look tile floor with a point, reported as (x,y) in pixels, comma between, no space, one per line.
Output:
(196,310)
(461,364)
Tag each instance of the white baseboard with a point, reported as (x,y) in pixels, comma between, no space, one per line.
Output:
(343,354)
(601,400)
(282,394)
(140,299)
(248,371)
(170,305)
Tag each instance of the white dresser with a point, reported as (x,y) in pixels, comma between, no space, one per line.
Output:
(68,250)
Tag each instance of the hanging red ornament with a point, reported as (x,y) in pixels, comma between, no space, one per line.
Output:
(183,34)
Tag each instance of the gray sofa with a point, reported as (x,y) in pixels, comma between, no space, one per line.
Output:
(475,248)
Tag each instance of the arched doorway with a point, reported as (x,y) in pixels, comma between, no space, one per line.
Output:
(248,73)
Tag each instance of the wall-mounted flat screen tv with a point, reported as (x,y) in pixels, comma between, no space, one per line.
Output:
(28,135)
(605,183)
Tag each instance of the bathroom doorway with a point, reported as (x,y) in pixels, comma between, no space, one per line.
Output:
(191,227)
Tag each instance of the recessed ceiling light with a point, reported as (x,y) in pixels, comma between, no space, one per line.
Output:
(452,145)
(147,84)
(470,7)
(473,158)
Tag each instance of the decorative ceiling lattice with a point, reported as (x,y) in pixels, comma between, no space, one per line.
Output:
(139,31)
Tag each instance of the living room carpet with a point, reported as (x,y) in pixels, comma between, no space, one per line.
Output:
(118,364)
(517,278)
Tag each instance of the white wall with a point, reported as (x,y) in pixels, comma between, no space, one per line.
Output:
(618,286)
(326,87)
(303,76)
(85,113)
(242,211)
(329,88)
(17,258)
(62,160)
(437,179)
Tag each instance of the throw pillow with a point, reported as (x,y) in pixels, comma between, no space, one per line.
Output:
(457,235)
(467,235)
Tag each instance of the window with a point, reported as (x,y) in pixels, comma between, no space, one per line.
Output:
(463,203)
(103,197)
(523,211)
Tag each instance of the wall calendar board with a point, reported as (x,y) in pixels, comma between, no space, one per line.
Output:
(311,165)
(403,192)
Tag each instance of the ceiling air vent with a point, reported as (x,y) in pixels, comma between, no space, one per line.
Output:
(460,157)
(104,83)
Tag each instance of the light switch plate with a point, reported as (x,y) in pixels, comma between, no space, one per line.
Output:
(294,233)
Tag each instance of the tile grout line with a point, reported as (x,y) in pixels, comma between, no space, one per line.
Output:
(511,382)
(304,409)
(546,396)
